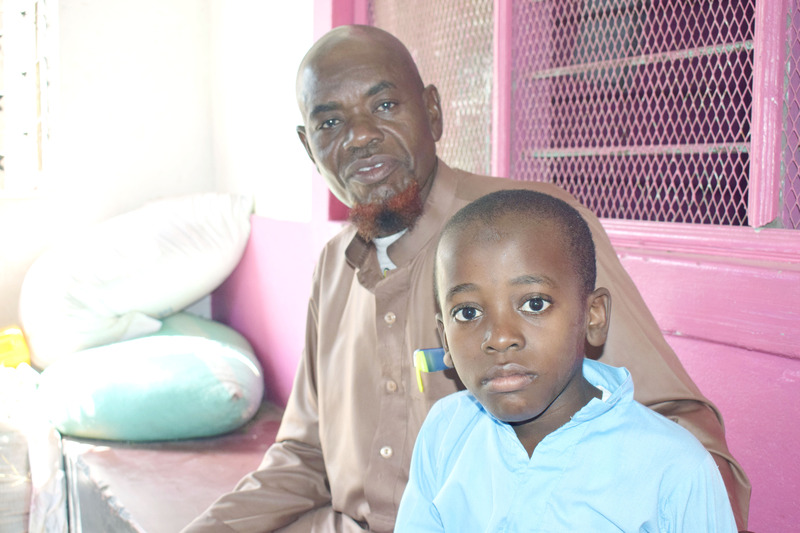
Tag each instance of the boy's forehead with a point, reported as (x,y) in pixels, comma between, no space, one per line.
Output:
(477,236)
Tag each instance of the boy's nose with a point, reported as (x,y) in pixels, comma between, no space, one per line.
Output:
(501,336)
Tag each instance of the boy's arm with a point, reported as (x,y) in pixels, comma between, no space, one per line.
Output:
(661,382)
(417,513)
(698,502)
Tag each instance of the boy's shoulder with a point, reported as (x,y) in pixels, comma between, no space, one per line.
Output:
(634,425)
(454,415)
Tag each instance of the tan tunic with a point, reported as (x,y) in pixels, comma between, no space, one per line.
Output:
(341,458)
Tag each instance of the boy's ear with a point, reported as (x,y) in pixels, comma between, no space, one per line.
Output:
(599,303)
(448,359)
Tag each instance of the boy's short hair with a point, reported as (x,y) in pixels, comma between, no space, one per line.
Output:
(535,206)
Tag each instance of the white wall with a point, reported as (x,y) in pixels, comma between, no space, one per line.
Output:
(158,98)
(257,47)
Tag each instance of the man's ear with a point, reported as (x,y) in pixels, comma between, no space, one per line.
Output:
(599,303)
(448,359)
(433,106)
(301,133)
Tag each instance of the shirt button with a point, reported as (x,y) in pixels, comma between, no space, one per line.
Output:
(389,318)
(387,452)
(391,386)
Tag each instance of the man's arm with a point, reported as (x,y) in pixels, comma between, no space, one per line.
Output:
(292,478)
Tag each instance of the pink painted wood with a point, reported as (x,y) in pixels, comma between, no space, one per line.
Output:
(765,149)
(501,91)
(733,286)
(757,394)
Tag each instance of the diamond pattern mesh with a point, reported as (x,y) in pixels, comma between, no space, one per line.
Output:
(452,44)
(791,139)
(640,109)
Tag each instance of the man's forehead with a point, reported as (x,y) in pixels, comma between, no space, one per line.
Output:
(330,86)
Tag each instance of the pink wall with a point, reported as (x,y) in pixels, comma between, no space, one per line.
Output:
(728,303)
(266,297)
(757,394)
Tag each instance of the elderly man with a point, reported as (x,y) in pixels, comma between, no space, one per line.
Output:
(341,459)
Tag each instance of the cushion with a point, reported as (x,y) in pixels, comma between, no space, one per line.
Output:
(193,378)
(117,279)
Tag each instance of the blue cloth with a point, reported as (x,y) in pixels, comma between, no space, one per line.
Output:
(615,466)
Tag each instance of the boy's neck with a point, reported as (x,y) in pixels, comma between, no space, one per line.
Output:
(532,432)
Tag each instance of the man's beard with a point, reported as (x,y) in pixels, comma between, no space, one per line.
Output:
(388,216)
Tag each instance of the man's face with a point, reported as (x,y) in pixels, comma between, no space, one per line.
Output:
(514,318)
(370,127)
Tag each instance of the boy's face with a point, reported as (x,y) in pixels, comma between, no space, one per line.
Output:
(514,318)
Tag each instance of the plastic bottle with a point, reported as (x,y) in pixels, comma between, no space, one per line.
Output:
(13,347)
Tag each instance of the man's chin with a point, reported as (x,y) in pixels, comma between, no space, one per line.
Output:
(388,216)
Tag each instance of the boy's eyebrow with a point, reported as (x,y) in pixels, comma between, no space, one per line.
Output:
(529,279)
(458,289)
(334,106)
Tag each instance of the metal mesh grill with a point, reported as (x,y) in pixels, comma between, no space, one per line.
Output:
(452,45)
(791,139)
(640,109)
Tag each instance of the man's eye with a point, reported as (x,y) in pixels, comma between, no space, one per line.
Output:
(535,305)
(465,314)
(386,106)
(327,124)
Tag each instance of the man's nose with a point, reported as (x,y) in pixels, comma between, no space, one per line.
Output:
(363,131)
(502,335)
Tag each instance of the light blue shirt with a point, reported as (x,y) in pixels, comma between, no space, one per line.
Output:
(615,466)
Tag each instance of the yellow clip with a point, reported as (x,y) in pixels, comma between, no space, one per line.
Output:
(421,365)
(429,360)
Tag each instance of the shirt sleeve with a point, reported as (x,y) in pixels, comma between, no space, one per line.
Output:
(636,342)
(417,512)
(698,502)
(292,478)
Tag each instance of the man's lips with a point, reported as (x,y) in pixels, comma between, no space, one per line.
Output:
(371,170)
(509,377)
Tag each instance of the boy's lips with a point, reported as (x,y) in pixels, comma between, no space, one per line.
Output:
(509,377)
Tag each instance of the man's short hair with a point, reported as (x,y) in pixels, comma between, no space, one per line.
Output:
(536,207)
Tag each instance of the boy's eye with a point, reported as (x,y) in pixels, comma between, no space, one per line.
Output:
(465,314)
(535,305)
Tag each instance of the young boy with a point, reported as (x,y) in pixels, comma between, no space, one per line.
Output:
(543,439)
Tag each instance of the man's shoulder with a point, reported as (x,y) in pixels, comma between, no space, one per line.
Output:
(473,186)
(332,257)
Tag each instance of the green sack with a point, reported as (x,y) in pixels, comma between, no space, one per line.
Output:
(194,378)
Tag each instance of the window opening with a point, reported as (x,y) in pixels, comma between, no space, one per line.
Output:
(641,109)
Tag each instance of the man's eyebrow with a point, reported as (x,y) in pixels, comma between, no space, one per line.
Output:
(324,108)
(382,86)
(334,106)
